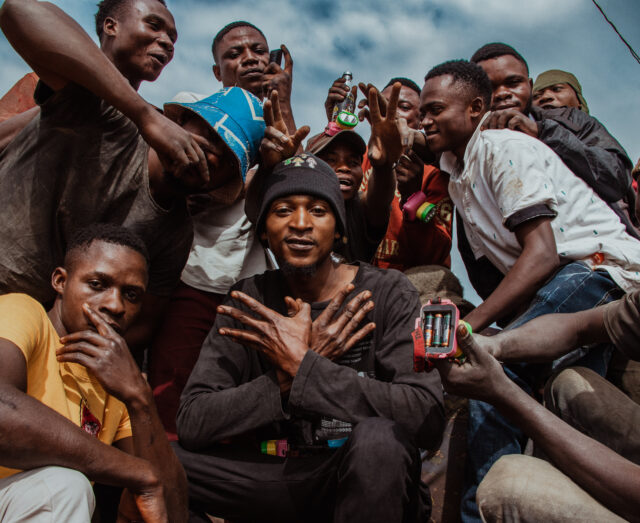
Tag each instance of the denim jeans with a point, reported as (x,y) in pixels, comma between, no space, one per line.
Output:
(575,287)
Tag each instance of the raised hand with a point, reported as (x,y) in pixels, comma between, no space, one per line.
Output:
(278,78)
(332,333)
(282,339)
(106,355)
(178,150)
(277,144)
(337,93)
(511,119)
(363,105)
(385,143)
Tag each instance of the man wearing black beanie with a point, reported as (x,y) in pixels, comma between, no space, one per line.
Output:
(303,405)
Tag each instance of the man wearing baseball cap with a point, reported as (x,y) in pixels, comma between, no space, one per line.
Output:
(367,213)
(412,238)
(304,389)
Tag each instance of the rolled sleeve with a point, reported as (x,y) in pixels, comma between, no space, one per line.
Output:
(519,180)
(530,213)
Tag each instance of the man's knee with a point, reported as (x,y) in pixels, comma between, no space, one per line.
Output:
(378,434)
(59,493)
(69,488)
(572,385)
(500,496)
(379,441)
(523,488)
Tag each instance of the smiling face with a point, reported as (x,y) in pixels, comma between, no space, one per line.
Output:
(558,95)
(347,164)
(408,105)
(140,42)
(108,277)
(241,58)
(510,81)
(300,231)
(450,114)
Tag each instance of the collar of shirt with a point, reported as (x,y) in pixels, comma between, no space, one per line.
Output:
(449,163)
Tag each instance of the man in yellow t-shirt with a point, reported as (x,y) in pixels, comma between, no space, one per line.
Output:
(74,406)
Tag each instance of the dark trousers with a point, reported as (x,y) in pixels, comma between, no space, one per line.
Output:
(374,476)
(175,349)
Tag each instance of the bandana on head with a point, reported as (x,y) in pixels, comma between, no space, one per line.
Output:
(556,76)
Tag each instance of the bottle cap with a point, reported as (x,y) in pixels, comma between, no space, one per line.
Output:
(346,120)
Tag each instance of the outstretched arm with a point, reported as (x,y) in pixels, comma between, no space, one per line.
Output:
(547,337)
(60,52)
(535,264)
(385,147)
(607,476)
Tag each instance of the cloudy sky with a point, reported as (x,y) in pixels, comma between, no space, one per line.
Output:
(378,39)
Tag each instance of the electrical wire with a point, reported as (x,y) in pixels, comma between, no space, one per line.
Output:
(633,53)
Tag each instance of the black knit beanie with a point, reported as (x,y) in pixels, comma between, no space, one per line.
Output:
(300,174)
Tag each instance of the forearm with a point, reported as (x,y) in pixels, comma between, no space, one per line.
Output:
(33,435)
(414,401)
(551,336)
(287,114)
(607,476)
(207,416)
(150,443)
(380,191)
(59,51)
(531,270)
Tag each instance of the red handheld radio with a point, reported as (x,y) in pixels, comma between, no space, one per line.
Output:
(434,336)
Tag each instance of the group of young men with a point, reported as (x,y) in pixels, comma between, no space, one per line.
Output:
(263,278)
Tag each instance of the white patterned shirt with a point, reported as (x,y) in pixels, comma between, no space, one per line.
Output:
(509,177)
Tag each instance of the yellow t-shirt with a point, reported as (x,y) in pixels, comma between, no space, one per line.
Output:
(67,388)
